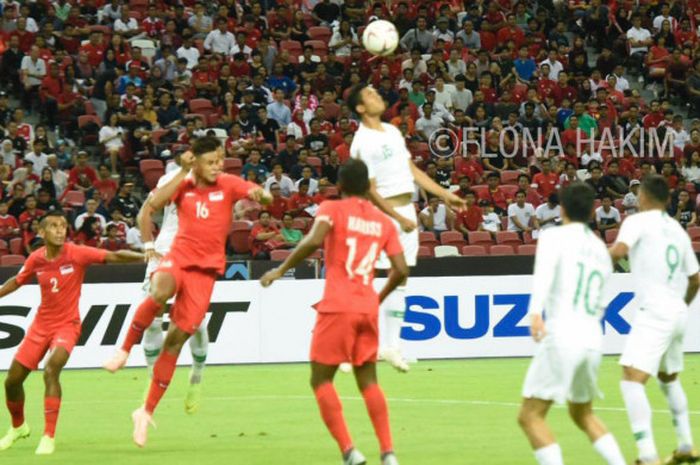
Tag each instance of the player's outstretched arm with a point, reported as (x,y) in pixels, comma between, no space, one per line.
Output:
(260,195)
(162,196)
(693,286)
(10,286)
(397,274)
(306,247)
(124,256)
(430,186)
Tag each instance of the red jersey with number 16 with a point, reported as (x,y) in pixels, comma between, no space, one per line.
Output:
(359,232)
(60,281)
(204,220)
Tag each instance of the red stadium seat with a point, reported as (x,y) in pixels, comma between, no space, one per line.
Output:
(527,249)
(696,247)
(453,238)
(233,166)
(201,105)
(238,239)
(482,238)
(320,47)
(315,163)
(428,239)
(510,177)
(694,233)
(488,40)
(151,177)
(321,33)
(425,252)
(74,199)
(508,238)
(292,46)
(502,250)
(480,189)
(16,246)
(12,260)
(611,235)
(279,255)
(474,251)
(509,190)
(150,165)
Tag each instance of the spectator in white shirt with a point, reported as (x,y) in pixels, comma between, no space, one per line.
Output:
(548,214)
(428,123)
(443,93)
(91,211)
(631,200)
(491,220)
(38,158)
(285,183)
(665,16)
(112,11)
(461,96)
(621,83)
(200,22)
(128,26)
(555,66)
(435,218)
(607,216)
(188,52)
(220,40)
(112,136)
(639,40)
(306,174)
(521,215)
(678,132)
(33,71)
(455,65)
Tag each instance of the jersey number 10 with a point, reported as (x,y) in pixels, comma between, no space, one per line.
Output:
(364,268)
(591,282)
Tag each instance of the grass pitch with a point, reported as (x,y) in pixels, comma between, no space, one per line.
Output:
(443,412)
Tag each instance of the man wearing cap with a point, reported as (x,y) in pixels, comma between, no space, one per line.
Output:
(442,30)
(631,201)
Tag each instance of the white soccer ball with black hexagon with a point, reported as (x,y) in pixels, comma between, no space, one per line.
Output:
(380,38)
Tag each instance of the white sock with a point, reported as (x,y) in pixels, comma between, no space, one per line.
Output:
(549,455)
(678,404)
(639,413)
(608,448)
(199,344)
(394,308)
(153,342)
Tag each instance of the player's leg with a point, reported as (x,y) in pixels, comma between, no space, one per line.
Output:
(152,341)
(532,420)
(603,441)
(377,408)
(52,398)
(199,346)
(14,400)
(163,287)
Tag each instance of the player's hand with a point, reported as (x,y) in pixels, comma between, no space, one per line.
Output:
(455,202)
(407,225)
(270,277)
(537,330)
(187,160)
(151,254)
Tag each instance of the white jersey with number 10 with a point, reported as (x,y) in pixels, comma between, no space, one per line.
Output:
(572,268)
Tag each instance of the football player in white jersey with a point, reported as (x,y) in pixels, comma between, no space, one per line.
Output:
(572,267)
(392,175)
(665,272)
(153,335)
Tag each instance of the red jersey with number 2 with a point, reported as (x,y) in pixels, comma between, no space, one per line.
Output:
(60,280)
(204,220)
(359,232)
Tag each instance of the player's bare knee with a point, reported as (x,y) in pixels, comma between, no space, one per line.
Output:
(526,417)
(667,377)
(51,373)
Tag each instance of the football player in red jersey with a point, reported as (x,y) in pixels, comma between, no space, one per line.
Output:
(353,232)
(59,268)
(204,201)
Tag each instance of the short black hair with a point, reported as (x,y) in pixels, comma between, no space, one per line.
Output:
(205,144)
(656,187)
(355,96)
(52,214)
(577,199)
(353,177)
(263,212)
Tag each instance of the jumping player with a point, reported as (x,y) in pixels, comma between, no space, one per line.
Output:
(665,271)
(571,268)
(353,233)
(154,251)
(59,268)
(204,203)
(392,176)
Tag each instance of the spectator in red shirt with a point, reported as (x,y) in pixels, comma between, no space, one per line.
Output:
(95,49)
(301,200)
(152,24)
(263,237)
(495,195)
(51,88)
(82,167)
(9,228)
(113,242)
(465,187)
(31,212)
(531,195)
(279,205)
(547,181)
(89,233)
(470,218)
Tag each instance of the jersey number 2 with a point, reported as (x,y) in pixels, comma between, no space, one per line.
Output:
(202,210)
(364,268)
(54,285)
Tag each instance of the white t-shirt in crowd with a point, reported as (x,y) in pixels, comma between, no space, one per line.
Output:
(524,214)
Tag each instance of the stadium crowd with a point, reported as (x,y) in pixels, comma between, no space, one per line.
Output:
(106,94)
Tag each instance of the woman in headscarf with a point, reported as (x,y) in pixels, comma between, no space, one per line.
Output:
(8,153)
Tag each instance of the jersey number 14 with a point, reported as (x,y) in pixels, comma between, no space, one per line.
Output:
(366,265)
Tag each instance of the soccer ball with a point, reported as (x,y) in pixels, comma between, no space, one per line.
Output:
(380,38)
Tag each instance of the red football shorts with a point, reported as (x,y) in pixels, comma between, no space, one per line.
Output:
(192,295)
(39,340)
(345,338)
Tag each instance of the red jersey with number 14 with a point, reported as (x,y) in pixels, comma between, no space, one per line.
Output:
(204,220)
(359,232)
(60,280)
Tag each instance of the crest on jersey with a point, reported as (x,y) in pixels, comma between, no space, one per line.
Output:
(217,196)
(66,269)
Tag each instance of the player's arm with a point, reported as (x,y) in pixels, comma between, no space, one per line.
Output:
(397,274)
(618,251)
(10,286)
(124,256)
(162,196)
(690,293)
(543,278)
(306,247)
(145,224)
(423,180)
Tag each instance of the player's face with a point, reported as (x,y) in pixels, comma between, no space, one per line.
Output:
(373,102)
(54,231)
(209,165)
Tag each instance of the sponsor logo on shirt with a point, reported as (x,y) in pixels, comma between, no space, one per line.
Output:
(189,194)
(217,196)
(66,269)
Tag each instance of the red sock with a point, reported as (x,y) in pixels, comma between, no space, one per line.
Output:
(51,407)
(16,412)
(143,318)
(163,371)
(379,414)
(332,414)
